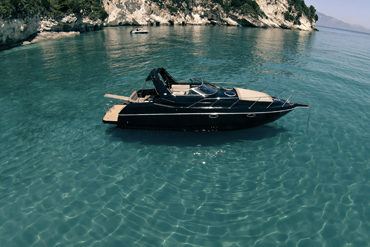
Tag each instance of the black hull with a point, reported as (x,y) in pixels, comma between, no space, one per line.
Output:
(195,105)
(198,122)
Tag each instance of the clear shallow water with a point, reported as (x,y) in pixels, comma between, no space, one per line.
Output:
(66,179)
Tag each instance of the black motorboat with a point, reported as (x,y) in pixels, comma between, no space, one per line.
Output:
(194,105)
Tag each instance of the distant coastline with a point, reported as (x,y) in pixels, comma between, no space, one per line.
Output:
(328,21)
(341,29)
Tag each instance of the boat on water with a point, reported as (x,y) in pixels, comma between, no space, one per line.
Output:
(194,105)
(139,31)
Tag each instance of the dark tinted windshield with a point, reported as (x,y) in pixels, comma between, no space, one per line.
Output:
(199,87)
(205,89)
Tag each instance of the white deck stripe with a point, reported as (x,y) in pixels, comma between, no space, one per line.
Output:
(205,113)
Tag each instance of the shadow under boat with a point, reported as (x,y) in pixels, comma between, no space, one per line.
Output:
(194,139)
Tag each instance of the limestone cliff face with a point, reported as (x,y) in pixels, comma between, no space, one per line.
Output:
(14,31)
(199,12)
(69,23)
(275,12)
(157,12)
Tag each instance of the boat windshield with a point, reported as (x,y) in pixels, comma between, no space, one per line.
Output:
(205,88)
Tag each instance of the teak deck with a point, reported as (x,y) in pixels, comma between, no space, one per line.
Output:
(112,114)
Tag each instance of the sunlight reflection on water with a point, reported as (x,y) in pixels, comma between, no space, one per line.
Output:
(68,179)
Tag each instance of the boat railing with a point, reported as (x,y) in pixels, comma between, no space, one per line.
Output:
(264,87)
(287,100)
(254,103)
(110,103)
(236,101)
(199,102)
(107,106)
(282,93)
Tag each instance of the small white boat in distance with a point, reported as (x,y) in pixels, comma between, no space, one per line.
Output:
(139,31)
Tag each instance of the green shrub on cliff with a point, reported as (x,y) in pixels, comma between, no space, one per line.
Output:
(94,9)
(245,7)
(288,16)
(18,8)
(301,7)
(53,8)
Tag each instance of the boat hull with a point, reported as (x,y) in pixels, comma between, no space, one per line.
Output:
(195,105)
(211,121)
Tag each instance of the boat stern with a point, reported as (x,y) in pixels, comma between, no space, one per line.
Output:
(111,116)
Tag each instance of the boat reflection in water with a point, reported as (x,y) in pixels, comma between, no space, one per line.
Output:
(194,105)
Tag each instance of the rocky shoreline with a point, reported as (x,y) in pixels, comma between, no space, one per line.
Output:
(14,32)
(49,35)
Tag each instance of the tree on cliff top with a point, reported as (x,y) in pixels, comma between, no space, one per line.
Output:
(52,8)
(94,9)
(301,7)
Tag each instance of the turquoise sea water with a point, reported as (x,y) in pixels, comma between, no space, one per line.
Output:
(66,179)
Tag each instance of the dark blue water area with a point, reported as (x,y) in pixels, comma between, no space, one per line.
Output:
(67,179)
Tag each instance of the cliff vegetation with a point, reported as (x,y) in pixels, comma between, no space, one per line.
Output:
(52,8)
(94,9)
(22,20)
(297,8)
(249,7)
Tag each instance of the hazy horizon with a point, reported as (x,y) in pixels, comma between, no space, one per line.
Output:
(352,12)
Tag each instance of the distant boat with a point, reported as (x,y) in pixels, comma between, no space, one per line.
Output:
(194,104)
(139,31)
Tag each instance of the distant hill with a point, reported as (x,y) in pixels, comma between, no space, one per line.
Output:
(328,21)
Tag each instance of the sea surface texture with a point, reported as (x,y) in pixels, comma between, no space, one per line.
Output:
(67,179)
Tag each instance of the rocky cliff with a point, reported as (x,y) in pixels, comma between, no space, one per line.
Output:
(269,13)
(16,31)
(252,13)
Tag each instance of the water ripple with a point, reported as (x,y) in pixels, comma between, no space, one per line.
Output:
(66,179)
